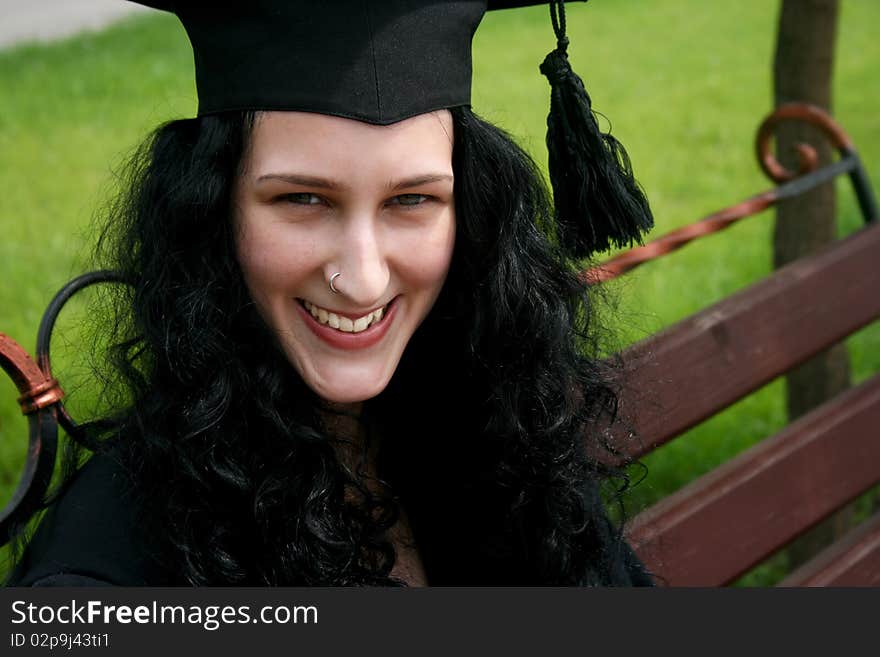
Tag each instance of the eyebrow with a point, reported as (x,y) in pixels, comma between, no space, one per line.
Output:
(328,183)
(424,179)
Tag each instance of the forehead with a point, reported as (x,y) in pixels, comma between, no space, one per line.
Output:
(284,140)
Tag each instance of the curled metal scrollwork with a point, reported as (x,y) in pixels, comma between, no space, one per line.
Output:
(40,395)
(40,400)
(807,156)
(44,337)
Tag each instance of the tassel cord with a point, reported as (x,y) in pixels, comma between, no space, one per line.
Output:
(557,17)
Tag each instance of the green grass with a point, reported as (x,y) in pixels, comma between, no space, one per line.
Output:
(684,82)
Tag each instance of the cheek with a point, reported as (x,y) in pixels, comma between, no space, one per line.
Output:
(273,260)
(425,264)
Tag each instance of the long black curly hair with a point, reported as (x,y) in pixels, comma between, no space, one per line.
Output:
(490,433)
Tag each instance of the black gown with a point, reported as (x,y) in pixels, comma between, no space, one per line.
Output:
(90,537)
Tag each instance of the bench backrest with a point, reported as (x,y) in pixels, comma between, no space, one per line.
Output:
(720,526)
(724,523)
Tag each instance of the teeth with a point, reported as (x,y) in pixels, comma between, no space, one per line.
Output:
(344,323)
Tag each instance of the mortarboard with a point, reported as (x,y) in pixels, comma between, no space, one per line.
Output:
(384,61)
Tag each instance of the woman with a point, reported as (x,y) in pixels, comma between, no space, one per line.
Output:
(352,355)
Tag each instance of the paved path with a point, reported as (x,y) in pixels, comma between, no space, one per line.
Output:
(45,20)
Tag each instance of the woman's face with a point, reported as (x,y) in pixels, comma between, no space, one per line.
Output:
(319,195)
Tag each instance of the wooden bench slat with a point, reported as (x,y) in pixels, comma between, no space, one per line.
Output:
(716,528)
(853,560)
(692,370)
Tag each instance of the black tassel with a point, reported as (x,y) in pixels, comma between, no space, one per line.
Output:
(598,202)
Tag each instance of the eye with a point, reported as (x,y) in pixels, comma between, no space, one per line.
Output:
(409,199)
(300,198)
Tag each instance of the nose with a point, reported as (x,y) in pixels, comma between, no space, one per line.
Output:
(362,263)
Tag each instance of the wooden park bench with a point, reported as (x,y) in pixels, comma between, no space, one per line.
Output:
(720,526)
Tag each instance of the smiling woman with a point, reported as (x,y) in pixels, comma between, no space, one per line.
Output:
(381,226)
(355,342)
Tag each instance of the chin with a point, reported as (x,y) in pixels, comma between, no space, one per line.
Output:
(348,396)
(349,392)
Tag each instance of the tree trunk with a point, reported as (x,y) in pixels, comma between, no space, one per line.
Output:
(803,68)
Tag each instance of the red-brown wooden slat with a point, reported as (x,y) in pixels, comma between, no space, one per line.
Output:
(719,526)
(853,560)
(690,371)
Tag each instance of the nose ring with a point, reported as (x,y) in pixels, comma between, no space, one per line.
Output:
(333,278)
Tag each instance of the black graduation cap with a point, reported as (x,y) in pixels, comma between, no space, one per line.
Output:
(382,61)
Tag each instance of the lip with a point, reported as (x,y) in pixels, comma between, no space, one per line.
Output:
(351,316)
(350,341)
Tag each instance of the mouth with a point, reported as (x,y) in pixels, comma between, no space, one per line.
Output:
(346,331)
(345,323)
